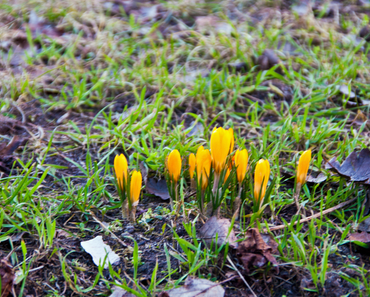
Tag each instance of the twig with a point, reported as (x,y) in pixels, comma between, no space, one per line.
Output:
(340,205)
(215,285)
(241,276)
(104,227)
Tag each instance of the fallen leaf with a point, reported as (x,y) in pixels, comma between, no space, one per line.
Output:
(6,158)
(316,180)
(158,188)
(197,129)
(256,251)
(197,287)
(360,118)
(360,236)
(7,277)
(267,60)
(99,250)
(221,227)
(356,167)
(119,292)
(343,89)
(365,33)
(364,226)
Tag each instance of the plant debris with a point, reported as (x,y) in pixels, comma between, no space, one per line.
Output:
(267,60)
(356,166)
(7,277)
(158,188)
(196,287)
(256,251)
(221,227)
(101,253)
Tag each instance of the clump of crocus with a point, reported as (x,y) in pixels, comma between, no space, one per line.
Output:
(127,187)
(241,164)
(174,172)
(302,170)
(203,164)
(261,177)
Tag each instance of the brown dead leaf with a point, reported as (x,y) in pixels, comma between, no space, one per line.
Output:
(197,287)
(360,236)
(6,151)
(7,277)
(360,119)
(356,167)
(256,250)
(221,227)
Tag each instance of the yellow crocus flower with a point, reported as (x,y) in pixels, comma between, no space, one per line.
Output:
(303,165)
(174,165)
(222,144)
(120,167)
(135,187)
(261,177)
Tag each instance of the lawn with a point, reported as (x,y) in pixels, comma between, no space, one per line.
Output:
(250,88)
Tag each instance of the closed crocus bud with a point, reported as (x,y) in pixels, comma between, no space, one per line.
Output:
(174,165)
(120,167)
(222,144)
(192,163)
(241,164)
(303,164)
(261,177)
(203,160)
(135,187)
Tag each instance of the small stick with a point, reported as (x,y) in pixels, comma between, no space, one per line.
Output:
(340,205)
(104,227)
(241,276)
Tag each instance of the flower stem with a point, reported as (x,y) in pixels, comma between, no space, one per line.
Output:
(133,214)
(296,196)
(125,210)
(237,203)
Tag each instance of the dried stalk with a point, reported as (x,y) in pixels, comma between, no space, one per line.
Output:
(329,210)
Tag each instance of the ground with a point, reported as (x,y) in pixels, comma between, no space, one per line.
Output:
(83,81)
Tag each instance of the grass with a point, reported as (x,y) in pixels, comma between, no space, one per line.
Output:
(116,84)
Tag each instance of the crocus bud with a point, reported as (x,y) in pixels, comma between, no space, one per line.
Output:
(222,144)
(192,163)
(135,187)
(261,177)
(241,164)
(120,167)
(203,160)
(303,164)
(174,165)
